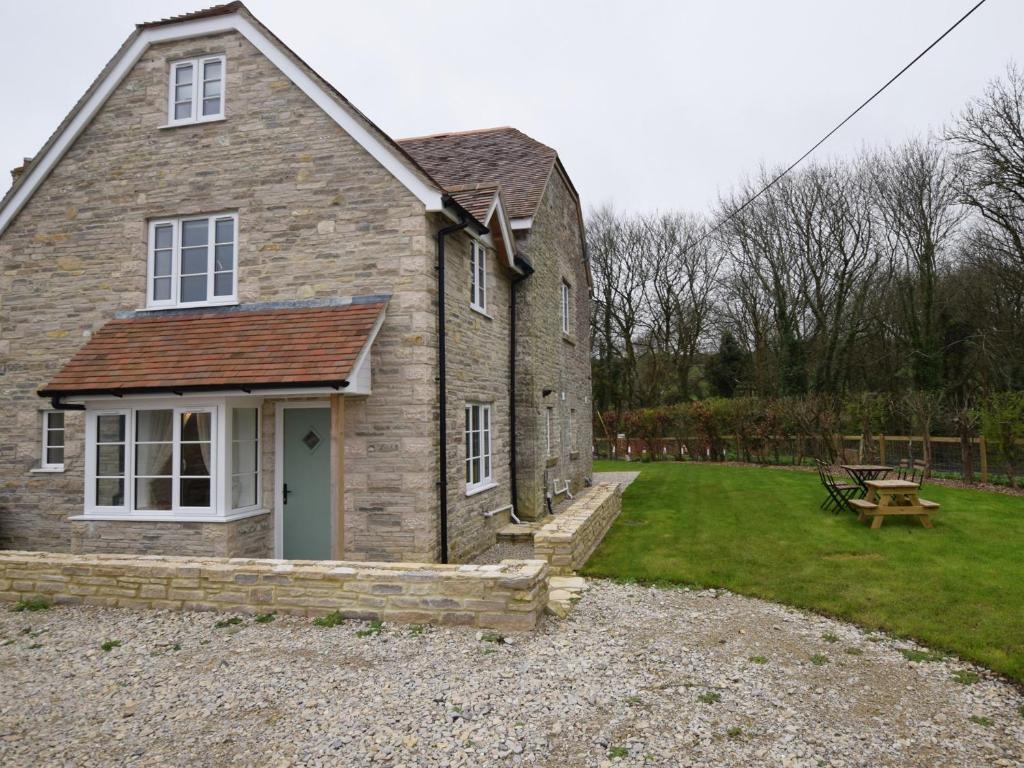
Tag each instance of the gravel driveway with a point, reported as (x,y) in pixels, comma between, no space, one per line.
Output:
(636,676)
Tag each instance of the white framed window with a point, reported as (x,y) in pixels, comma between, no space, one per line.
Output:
(245,457)
(163,461)
(566,306)
(478,277)
(196,90)
(173,460)
(549,416)
(52,456)
(478,447)
(193,261)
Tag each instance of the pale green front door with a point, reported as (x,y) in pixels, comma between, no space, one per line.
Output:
(306,502)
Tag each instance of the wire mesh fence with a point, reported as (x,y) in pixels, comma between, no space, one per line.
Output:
(970,460)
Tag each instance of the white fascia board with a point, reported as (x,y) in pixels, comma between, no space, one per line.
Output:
(387,156)
(524,222)
(359,381)
(498,209)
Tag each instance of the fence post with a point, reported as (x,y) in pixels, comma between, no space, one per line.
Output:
(739,456)
(881,449)
(983,454)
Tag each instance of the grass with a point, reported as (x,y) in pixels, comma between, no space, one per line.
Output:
(819,660)
(759,532)
(35,604)
(982,720)
(911,654)
(109,645)
(265,618)
(709,698)
(759,659)
(233,621)
(372,629)
(614,752)
(332,619)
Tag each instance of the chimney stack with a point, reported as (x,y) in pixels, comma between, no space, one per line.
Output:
(16,173)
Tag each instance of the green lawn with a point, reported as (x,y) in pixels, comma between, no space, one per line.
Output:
(958,587)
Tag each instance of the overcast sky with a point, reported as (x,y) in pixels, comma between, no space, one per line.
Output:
(649,104)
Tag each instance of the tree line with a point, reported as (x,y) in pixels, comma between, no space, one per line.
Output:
(897,271)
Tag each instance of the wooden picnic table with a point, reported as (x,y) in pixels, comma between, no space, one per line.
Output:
(893,497)
(861,473)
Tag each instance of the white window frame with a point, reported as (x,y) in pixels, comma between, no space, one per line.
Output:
(484,418)
(566,306)
(176,223)
(478,277)
(44,463)
(198,90)
(221,467)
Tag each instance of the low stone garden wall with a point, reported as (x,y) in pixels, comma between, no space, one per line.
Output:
(510,596)
(571,537)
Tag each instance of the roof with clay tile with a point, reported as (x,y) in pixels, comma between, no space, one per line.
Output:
(216,349)
(504,156)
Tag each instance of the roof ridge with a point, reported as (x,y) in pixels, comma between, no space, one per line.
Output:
(470,131)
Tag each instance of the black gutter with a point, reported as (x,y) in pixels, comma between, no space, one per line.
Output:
(527,270)
(173,389)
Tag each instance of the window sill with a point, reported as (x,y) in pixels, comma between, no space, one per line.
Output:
(568,339)
(480,489)
(208,305)
(480,311)
(163,518)
(186,124)
(47,470)
(551,461)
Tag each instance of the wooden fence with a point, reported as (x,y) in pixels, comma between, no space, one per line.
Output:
(945,454)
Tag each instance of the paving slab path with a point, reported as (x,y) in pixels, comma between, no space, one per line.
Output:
(635,676)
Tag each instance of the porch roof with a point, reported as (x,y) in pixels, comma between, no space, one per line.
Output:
(211,350)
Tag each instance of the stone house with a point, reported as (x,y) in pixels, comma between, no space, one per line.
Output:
(238,319)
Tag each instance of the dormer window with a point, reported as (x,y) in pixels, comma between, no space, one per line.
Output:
(192,261)
(196,90)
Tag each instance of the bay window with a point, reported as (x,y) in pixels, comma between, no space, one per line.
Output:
(192,261)
(172,462)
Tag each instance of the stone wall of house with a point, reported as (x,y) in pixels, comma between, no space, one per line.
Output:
(478,372)
(248,537)
(569,539)
(549,360)
(510,596)
(318,219)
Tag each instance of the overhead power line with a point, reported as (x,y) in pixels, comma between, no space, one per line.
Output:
(844,121)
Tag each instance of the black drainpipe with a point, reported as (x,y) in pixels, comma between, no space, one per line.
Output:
(512,462)
(442,385)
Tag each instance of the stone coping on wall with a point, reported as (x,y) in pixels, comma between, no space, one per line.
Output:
(568,540)
(509,596)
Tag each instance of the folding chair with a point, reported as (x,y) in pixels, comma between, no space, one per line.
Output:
(838,493)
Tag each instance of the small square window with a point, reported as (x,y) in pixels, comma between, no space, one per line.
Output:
(196,90)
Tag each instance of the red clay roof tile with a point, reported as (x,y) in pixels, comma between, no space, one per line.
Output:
(216,349)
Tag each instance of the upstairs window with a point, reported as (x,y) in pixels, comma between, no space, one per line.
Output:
(196,90)
(478,277)
(566,306)
(192,261)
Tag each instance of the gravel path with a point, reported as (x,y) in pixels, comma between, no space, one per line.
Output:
(635,676)
(622,478)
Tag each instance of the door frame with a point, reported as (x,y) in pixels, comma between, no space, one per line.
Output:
(279,410)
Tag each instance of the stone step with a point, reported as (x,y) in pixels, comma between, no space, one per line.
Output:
(517,533)
(563,594)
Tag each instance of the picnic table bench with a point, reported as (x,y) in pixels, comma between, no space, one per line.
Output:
(892,497)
